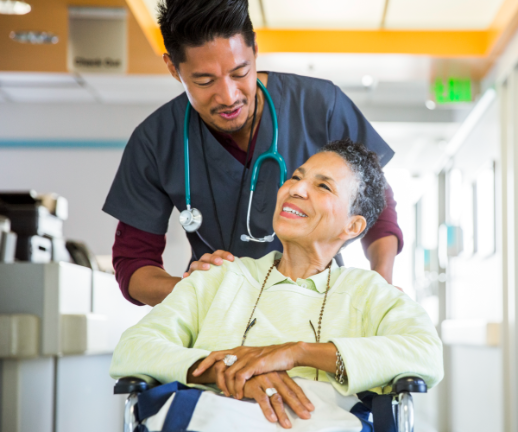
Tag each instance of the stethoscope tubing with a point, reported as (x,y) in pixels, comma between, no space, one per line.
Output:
(272,152)
(186,156)
(189,221)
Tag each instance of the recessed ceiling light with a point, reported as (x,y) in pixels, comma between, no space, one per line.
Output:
(9,7)
(34,37)
(430,104)
(367,81)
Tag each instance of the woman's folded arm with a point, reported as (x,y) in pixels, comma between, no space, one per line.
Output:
(399,338)
(158,346)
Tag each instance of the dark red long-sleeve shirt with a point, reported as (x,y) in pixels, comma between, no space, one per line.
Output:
(134,248)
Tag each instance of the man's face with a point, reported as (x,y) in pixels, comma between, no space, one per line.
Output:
(220,80)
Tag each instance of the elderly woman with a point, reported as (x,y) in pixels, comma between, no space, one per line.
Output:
(258,329)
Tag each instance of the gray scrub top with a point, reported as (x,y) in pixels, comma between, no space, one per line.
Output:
(150,180)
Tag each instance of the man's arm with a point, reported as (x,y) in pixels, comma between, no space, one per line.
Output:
(139,270)
(384,240)
(151,285)
(381,254)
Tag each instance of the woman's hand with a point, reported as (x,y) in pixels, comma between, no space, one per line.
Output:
(206,260)
(251,361)
(288,392)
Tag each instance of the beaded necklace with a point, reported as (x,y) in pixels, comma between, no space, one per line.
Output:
(317,333)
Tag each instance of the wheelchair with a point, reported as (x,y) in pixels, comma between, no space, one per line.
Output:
(402,387)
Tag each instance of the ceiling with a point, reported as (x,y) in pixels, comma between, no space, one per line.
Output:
(373,14)
(94,88)
(349,68)
(369,79)
(442,14)
(384,101)
(419,147)
(370,14)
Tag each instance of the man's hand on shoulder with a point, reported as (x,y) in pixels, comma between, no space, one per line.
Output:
(206,260)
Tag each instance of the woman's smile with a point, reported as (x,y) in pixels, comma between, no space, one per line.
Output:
(291,211)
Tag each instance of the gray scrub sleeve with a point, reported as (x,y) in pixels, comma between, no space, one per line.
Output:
(137,197)
(347,121)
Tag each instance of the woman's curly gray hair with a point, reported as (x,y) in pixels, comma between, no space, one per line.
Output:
(368,200)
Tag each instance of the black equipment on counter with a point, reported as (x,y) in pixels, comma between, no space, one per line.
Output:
(38,222)
(7,241)
(35,249)
(81,255)
(28,216)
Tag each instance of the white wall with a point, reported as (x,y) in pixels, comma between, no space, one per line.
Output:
(70,121)
(476,285)
(82,175)
(474,291)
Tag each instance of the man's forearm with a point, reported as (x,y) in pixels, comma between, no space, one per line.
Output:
(151,285)
(381,254)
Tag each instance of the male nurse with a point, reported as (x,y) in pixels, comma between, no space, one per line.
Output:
(211,50)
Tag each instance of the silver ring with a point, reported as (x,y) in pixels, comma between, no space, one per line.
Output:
(229,359)
(270,392)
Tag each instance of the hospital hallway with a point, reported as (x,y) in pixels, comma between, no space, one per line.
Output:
(437,80)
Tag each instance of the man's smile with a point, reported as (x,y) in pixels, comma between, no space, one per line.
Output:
(231,115)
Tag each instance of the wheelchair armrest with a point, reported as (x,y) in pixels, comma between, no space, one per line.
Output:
(410,384)
(132,384)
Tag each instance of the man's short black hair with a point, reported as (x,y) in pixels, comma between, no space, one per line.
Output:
(192,23)
(369,200)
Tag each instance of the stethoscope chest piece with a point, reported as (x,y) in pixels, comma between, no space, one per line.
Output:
(191,219)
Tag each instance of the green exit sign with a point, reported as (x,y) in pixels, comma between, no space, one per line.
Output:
(452,90)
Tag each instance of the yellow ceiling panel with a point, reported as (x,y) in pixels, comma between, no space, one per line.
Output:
(442,14)
(324,14)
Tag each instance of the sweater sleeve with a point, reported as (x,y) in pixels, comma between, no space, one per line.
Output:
(161,345)
(399,338)
(386,225)
(133,249)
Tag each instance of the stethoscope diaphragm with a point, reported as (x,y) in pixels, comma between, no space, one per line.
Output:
(191,219)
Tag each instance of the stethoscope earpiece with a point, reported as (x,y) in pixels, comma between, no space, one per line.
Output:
(266,239)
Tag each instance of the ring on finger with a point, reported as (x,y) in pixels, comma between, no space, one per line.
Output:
(229,359)
(270,391)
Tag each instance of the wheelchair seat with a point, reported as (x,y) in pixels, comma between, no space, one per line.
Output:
(402,387)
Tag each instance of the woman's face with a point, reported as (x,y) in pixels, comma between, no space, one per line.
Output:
(313,205)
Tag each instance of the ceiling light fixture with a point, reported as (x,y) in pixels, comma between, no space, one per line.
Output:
(367,81)
(34,37)
(9,7)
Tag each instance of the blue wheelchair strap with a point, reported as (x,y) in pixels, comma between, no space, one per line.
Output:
(363,413)
(150,401)
(181,411)
(381,408)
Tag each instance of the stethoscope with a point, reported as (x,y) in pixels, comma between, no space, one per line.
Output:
(191,218)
